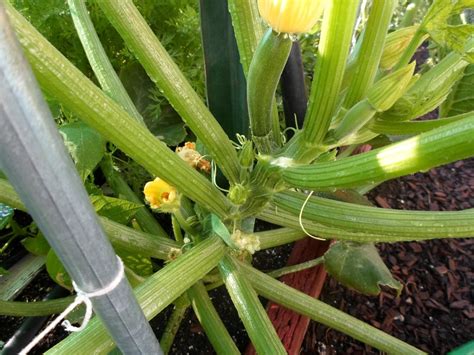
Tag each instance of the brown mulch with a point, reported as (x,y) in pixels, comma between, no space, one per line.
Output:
(435,311)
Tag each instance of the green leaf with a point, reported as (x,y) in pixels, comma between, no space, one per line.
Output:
(159,116)
(461,99)
(225,80)
(456,37)
(6,214)
(57,271)
(429,91)
(359,266)
(3,271)
(116,209)
(214,226)
(86,146)
(37,245)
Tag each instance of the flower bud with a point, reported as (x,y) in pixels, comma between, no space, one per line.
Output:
(291,16)
(159,194)
(248,242)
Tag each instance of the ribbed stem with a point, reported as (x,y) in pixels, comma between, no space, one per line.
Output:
(259,328)
(417,225)
(103,70)
(410,13)
(413,127)
(211,322)
(434,148)
(290,298)
(264,74)
(60,79)
(248,29)
(368,57)
(34,309)
(336,37)
(138,36)
(154,295)
(278,216)
(277,237)
(181,305)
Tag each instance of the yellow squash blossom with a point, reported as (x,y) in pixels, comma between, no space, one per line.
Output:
(291,16)
(159,194)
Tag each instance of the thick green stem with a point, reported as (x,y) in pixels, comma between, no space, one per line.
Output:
(180,307)
(410,50)
(413,127)
(368,57)
(103,70)
(284,218)
(154,295)
(290,298)
(439,146)
(277,237)
(211,322)
(410,13)
(248,29)
(60,79)
(264,74)
(414,225)
(34,309)
(295,268)
(138,36)
(259,327)
(336,37)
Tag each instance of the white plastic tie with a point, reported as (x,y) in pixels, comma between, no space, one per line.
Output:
(300,218)
(81,298)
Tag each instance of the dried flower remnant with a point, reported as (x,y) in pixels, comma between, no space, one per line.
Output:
(191,156)
(248,242)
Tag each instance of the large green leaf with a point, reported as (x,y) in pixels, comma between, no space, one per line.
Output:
(437,24)
(359,266)
(86,146)
(461,99)
(225,80)
(116,209)
(57,271)
(37,245)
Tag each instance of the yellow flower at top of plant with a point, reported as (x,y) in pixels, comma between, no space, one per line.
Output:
(159,193)
(291,16)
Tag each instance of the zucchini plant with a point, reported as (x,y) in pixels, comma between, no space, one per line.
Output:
(218,183)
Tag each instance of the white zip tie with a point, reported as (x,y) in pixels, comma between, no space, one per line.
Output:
(300,218)
(81,297)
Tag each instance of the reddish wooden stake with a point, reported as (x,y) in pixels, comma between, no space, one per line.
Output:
(291,326)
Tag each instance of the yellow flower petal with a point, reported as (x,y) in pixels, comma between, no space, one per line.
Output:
(159,192)
(291,16)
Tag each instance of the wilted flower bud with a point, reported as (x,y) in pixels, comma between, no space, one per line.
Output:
(191,156)
(159,194)
(291,16)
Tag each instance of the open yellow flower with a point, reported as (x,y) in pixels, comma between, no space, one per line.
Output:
(291,16)
(158,193)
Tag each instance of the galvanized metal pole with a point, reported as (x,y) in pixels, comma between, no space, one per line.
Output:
(34,158)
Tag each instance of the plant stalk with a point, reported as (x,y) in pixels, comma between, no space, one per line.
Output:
(138,36)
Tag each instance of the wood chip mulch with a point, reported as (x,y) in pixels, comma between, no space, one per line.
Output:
(435,311)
